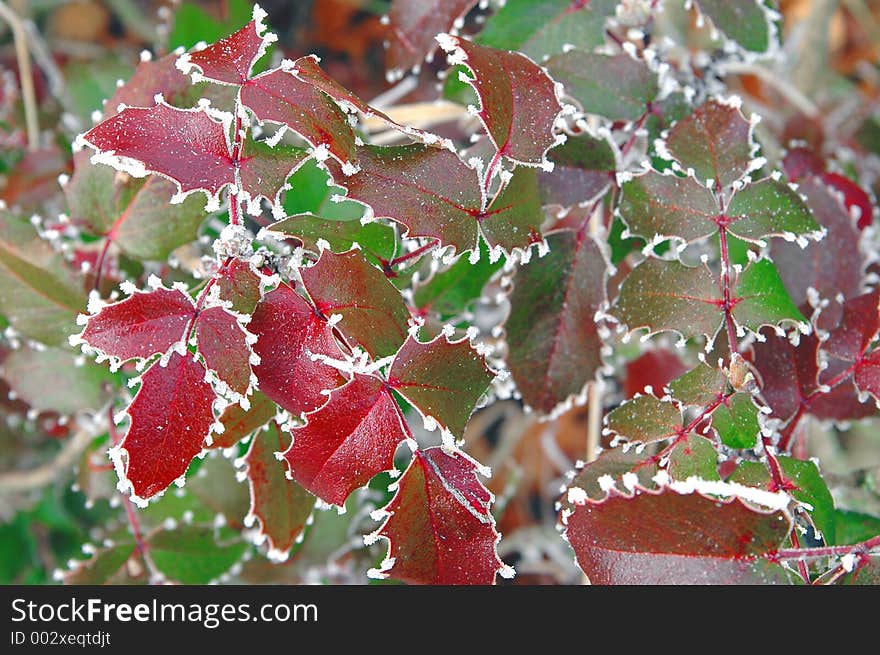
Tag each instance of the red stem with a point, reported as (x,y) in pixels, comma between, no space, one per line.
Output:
(863,547)
(683,433)
(725,291)
(490,173)
(415,253)
(99,265)
(234,209)
(640,122)
(802,565)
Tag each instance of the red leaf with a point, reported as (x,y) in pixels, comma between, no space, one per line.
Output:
(239,423)
(150,78)
(224,345)
(185,145)
(347,441)
(655,369)
(307,69)
(170,417)
(867,375)
(439,528)
(263,171)
(282,507)
(374,315)
(443,379)
(413,27)
(670,538)
(279,97)
(518,99)
(428,190)
(853,197)
(230,60)
(288,332)
(142,325)
(857,329)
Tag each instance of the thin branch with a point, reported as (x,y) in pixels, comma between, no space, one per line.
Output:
(25,75)
(797,99)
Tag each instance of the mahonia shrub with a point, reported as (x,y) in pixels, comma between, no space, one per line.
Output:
(609,225)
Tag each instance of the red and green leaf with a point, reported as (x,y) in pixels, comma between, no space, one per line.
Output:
(347,441)
(412,27)
(240,286)
(231,59)
(745,22)
(281,505)
(552,334)
(518,99)
(373,313)
(443,379)
(644,419)
(439,527)
(223,344)
(238,422)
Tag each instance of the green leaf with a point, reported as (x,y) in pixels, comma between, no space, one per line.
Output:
(282,506)
(644,419)
(736,421)
(853,527)
(700,386)
(217,489)
(311,191)
(375,239)
(195,555)
(613,463)
(583,168)
(552,335)
(53,379)
(809,488)
(614,86)
(134,213)
(695,456)
(744,22)
(540,29)
(107,566)
(769,208)
(655,204)
(453,291)
(90,83)
(667,295)
(715,141)
(514,218)
(761,299)
(40,294)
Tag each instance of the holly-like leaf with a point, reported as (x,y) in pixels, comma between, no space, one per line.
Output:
(52,379)
(241,286)
(850,340)
(554,346)
(617,87)
(347,441)
(263,171)
(288,333)
(518,99)
(744,22)
(373,313)
(700,386)
(133,213)
(609,468)
(278,96)
(768,208)
(171,415)
(541,29)
(736,421)
(667,295)
(413,26)
(428,190)
(223,343)
(439,527)
(715,141)
(40,295)
(694,457)
(804,483)
(760,298)
(514,218)
(106,566)
(654,204)
(239,423)
(452,292)
(644,419)
(867,375)
(583,168)
(831,266)
(149,79)
(194,554)
(281,505)
(668,537)
(142,325)
(231,59)
(443,379)
(377,240)
(653,369)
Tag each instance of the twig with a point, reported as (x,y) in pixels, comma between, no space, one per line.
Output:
(797,99)
(25,75)
(19,481)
